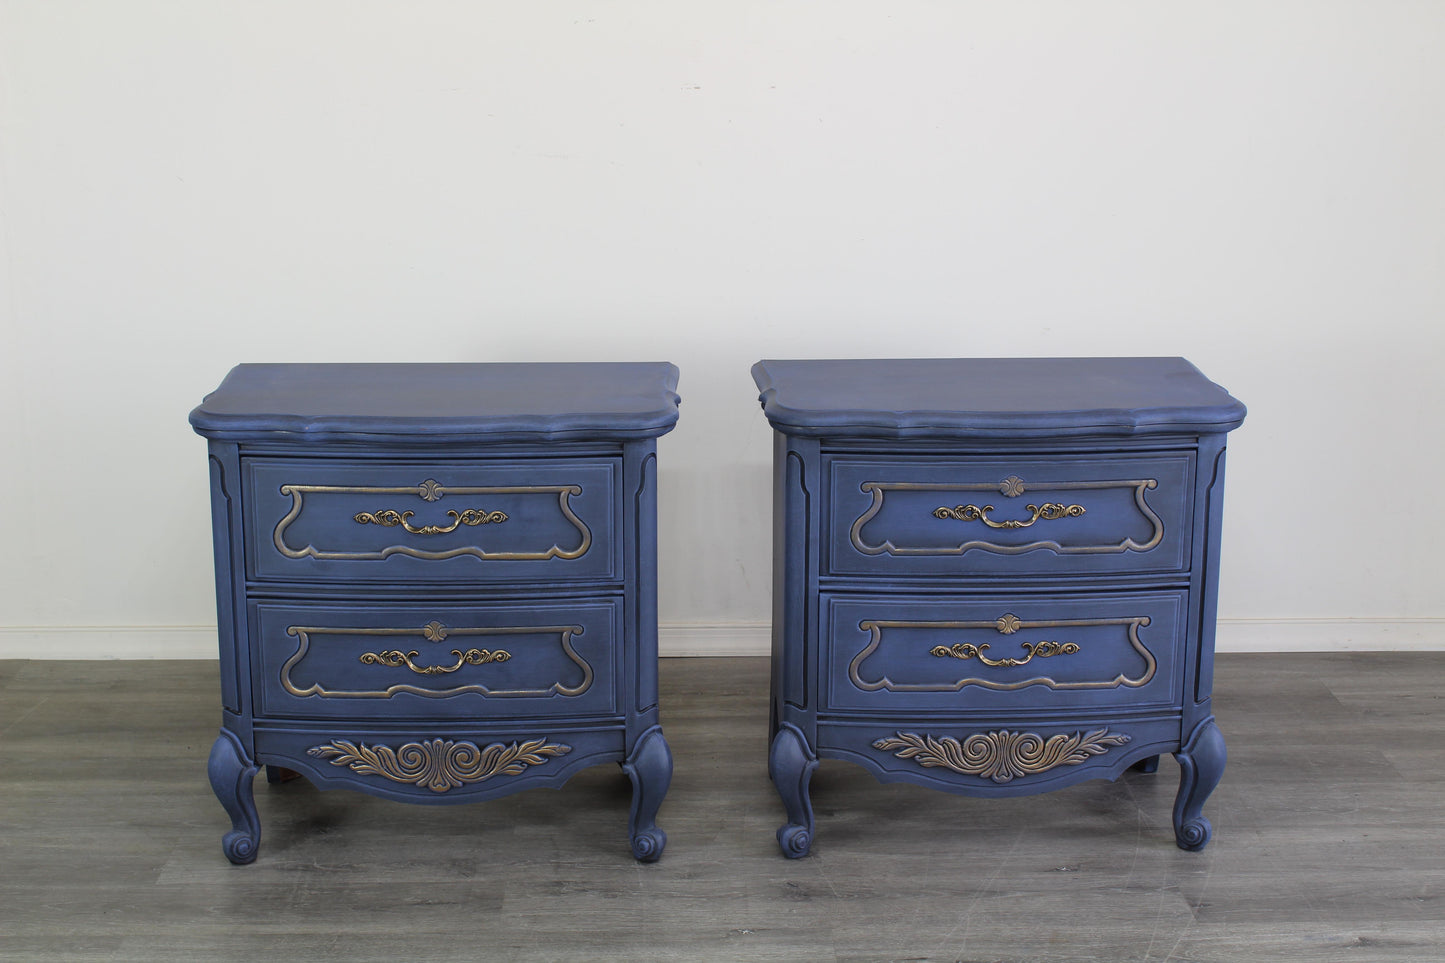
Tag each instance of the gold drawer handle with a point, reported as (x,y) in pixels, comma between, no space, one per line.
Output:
(1048,511)
(396,657)
(390,519)
(967,650)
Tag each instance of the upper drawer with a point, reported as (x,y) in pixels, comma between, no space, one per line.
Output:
(1010,515)
(445,521)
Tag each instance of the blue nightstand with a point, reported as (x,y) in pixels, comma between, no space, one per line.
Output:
(437,582)
(995,577)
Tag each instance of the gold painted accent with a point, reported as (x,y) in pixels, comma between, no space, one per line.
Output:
(1003,755)
(1048,511)
(1007,625)
(967,650)
(879,489)
(396,658)
(439,764)
(431,490)
(435,631)
(388,518)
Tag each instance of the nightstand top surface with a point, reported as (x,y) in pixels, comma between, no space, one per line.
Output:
(992,397)
(452,402)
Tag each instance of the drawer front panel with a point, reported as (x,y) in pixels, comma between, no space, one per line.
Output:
(1029,756)
(445,661)
(515,520)
(1005,652)
(432,764)
(1005,515)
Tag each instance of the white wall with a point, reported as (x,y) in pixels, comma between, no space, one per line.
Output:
(187,185)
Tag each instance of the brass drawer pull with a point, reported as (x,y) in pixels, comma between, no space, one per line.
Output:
(390,519)
(396,657)
(1048,511)
(967,650)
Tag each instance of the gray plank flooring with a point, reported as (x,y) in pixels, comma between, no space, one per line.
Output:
(1329,841)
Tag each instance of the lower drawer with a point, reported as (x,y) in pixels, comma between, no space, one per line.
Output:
(437,764)
(1014,759)
(436,661)
(1004,652)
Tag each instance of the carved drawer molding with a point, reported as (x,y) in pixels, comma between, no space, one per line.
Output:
(1001,755)
(439,764)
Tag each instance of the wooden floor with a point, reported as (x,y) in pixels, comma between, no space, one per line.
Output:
(1329,841)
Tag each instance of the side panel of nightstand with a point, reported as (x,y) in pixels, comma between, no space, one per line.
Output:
(1209,510)
(797,488)
(232,765)
(648,759)
(227,534)
(796,513)
(639,540)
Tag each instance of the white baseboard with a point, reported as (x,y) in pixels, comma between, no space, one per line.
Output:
(108,642)
(728,638)
(1330,635)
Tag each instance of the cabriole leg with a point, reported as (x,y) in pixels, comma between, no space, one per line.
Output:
(650,769)
(1201,764)
(232,776)
(791,764)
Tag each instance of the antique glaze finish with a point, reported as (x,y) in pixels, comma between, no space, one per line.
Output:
(995,577)
(436,583)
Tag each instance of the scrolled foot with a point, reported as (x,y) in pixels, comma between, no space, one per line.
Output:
(650,769)
(791,764)
(1201,765)
(794,840)
(232,775)
(647,845)
(1194,834)
(240,846)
